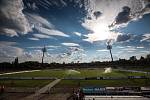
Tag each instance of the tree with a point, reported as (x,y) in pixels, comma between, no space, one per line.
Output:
(16,62)
(142,58)
(133,58)
(148,56)
(43,50)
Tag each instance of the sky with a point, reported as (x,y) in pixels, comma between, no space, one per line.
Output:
(73,30)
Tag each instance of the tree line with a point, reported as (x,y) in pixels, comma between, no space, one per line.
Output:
(133,62)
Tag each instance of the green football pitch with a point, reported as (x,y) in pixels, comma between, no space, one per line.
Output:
(78,73)
(61,73)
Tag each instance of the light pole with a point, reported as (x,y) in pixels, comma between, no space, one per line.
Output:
(43,50)
(109,47)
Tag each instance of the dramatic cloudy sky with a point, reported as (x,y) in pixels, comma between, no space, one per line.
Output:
(73,30)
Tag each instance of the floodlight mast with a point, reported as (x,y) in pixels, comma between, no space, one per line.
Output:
(43,50)
(109,47)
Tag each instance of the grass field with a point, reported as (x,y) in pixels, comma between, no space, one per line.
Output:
(83,73)
(25,83)
(82,83)
(76,83)
(62,73)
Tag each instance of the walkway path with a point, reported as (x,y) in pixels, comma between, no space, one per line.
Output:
(42,90)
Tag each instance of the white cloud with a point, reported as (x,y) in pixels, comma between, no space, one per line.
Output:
(109,9)
(37,20)
(34,55)
(145,52)
(12,19)
(8,32)
(11,51)
(121,47)
(129,48)
(47,3)
(7,43)
(27,54)
(102,50)
(32,6)
(98,36)
(52,46)
(41,36)
(34,39)
(99,26)
(76,49)
(8,51)
(124,37)
(44,26)
(51,32)
(140,47)
(63,2)
(47,46)
(11,11)
(77,33)
(130,51)
(73,54)
(35,47)
(70,44)
(50,49)
(146,37)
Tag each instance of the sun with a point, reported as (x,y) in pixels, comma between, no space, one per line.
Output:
(101,31)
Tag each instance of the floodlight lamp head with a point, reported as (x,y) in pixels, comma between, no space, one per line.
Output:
(44,49)
(109,47)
